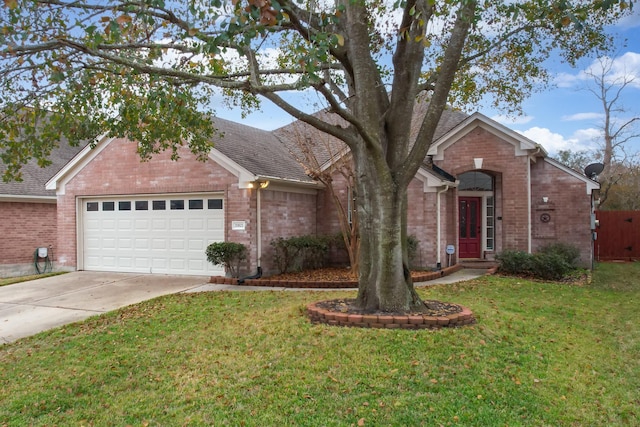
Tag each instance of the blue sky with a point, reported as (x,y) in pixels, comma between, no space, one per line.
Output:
(565,116)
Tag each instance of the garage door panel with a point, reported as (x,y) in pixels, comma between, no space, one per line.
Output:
(125,224)
(215,223)
(92,243)
(142,262)
(195,264)
(142,224)
(142,244)
(157,239)
(177,224)
(197,244)
(108,243)
(175,244)
(196,224)
(159,224)
(158,244)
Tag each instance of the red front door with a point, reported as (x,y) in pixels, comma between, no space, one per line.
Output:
(470,227)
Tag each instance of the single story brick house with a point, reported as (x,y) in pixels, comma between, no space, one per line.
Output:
(483,188)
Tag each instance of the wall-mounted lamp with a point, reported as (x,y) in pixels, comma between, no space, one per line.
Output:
(258,184)
(545,200)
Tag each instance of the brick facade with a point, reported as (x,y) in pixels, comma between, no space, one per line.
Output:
(565,216)
(521,178)
(511,182)
(285,214)
(25,227)
(117,170)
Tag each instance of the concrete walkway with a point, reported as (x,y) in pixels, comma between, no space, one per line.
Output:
(458,276)
(30,307)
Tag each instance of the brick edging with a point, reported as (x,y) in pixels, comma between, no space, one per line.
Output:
(324,316)
(343,284)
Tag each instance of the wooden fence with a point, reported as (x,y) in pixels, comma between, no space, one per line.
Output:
(618,236)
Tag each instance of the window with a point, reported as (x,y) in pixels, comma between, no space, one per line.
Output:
(142,205)
(196,204)
(177,205)
(475,181)
(92,206)
(124,206)
(490,223)
(159,205)
(108,206)
(214,203)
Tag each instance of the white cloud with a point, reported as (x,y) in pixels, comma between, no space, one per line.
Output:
(582,116)
(582,139)
(566,80)
(623,68)
(509,120)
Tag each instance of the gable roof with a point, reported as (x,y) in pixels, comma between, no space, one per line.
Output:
(247,152)
(522,144)
(34,177)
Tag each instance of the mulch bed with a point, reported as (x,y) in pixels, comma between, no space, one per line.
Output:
(432,308)
(329,274)
(318,275)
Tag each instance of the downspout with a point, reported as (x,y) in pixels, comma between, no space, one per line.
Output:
(438,226)
(258,228)
(529,204)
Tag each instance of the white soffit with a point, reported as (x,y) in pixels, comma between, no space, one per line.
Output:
(431,181)
(75,165)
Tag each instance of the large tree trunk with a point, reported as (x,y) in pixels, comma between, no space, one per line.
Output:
(385,280)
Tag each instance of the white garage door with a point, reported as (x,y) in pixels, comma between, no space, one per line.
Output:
(152,234)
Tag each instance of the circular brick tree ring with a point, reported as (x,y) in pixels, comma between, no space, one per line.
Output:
(321,312)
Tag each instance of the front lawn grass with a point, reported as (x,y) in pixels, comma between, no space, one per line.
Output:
(541,354)
(17,279)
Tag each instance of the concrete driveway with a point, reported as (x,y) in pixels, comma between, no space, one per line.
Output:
(30,307)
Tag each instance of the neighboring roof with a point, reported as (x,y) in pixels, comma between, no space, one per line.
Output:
(257,151)
(34,177)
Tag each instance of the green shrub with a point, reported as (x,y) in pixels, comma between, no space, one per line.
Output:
(227,254)
(552,262)
(514,262)
(569,253)
(300,252)
(549,266)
